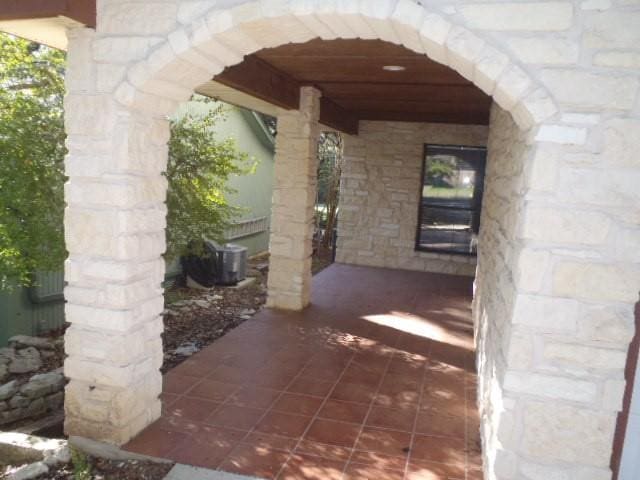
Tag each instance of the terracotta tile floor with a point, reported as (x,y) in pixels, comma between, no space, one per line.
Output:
(374,381)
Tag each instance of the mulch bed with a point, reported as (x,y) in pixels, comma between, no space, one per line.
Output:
(197,326)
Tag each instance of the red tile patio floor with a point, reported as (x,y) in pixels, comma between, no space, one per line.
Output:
(375,380)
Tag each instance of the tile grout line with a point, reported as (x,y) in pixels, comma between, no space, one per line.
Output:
(315,416)
(221,404)
(371,405)
(268,409)
(415,420)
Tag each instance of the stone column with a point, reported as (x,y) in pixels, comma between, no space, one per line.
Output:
(294,195)
(114,229)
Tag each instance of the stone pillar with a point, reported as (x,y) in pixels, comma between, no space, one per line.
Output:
(114,229)
(294,195)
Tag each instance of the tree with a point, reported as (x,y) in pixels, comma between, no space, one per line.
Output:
(440,169)
(31,159)
(198,170)
(329,171)
(32,170)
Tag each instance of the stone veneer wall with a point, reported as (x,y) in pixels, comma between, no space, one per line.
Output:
(567,71)
(495,288)
(380,195)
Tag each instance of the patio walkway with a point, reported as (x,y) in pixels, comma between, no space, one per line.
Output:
(374,381)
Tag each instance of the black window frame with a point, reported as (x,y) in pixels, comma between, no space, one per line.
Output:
(477,196)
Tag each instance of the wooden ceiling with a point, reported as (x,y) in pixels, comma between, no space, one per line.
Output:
(355,86)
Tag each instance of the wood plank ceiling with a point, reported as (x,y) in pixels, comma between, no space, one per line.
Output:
(355,86)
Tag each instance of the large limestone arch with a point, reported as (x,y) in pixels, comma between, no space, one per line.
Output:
(128,75)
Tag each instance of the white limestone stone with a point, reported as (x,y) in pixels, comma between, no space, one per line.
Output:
(591,90)
(596,5)
(553,224)
(562,134)
(544,51)
(617,59)
(562,388)
(596,281)
(536,16)
(546,314)
(556,432)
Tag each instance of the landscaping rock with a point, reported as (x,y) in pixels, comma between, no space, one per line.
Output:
(8,390)
(11,415)
(42,384)
(25,360)
(60,455)
(36,407)
(3,406)
(186,350)
(29,471)
(19,401)
(54,401)
(6,355)
(4,372)
(23,341)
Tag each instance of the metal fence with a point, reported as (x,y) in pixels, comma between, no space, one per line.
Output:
(35,310)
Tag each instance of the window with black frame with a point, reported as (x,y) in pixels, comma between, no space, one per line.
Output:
(451,199)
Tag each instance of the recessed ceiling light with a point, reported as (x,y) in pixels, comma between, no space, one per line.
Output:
(394,68)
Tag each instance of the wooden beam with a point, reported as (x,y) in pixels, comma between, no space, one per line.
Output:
(334,116)
(460,118)
(256,77)
(82,11)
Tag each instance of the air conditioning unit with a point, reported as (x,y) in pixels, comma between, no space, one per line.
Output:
(219,265)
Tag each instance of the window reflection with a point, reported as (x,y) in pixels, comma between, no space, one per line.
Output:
(452,182)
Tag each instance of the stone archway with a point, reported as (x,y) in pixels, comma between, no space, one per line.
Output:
(116,121)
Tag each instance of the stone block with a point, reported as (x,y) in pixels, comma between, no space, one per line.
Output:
(8,390)
(540,16)
(556,432)
(25,360)
(555,387)
(543,50)
(563,353)
(42,384)
(463,48)
(557,225)
(137,18)
(593,281)
(607,324)
(546,314)
(629,60)
(488,67)
(433,35)
(561,134)
(19,401)
(612,29)
(621,140)
(22,341)
(612,395)
(122,49)
(591,90)
(511,86)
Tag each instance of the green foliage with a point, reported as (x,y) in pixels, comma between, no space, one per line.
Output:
(198,170)
(439,169)
(31,159)
(81,465)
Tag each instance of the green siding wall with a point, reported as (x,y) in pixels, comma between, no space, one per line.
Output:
(253,192)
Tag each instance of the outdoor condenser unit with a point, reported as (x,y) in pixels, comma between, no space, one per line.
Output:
(221,265)
(232,264)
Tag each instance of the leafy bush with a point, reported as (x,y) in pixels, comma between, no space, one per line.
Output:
(199,167)
(31,159)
